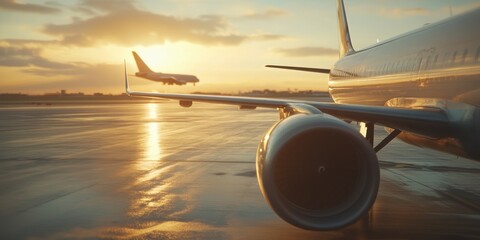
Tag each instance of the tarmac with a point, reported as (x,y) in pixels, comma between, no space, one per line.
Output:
(157,170)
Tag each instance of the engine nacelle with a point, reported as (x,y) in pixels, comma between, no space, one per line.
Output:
(317,172)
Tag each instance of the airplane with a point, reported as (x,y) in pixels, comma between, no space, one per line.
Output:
(317,171)
(167,78)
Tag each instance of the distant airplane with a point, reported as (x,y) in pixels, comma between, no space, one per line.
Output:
(317,171)
(167,78)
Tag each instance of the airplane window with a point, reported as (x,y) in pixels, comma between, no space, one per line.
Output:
(464,56)
(427,62)
(477,56)
(419,64)
(454,56)
(445,59)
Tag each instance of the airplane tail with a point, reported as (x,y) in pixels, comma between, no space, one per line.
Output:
(142,67)
(345,42)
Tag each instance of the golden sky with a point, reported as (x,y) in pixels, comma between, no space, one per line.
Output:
(80,45)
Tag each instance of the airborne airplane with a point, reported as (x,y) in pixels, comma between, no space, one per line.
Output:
(317,171)
(167,78)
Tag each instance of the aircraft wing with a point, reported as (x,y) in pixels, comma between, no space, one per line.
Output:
(431,122)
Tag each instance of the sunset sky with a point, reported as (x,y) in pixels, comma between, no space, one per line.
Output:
(80,45)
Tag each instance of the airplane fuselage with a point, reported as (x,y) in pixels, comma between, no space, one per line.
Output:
(436,66)
(168,78)
(440,60)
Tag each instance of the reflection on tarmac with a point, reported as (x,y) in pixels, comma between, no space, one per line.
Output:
(151,188)
(153,145)
(156,170)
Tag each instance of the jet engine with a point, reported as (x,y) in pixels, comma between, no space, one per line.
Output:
(317,172)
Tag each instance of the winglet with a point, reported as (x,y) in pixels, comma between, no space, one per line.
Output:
(127,88)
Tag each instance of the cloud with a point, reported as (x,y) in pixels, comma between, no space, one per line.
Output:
(133,27)
(105,6)
(81,77)
(27,7)
(307,51)
(25,56)
(403,12)
(267,36)
(268,14)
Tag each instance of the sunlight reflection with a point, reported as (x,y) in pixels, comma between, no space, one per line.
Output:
(139,231)
(153,186)
(152,144)
(151,111)
(154,182)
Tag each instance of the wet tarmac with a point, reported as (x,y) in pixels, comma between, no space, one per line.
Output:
(156,170)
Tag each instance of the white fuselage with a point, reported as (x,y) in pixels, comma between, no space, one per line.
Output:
(436,66)
(440,60)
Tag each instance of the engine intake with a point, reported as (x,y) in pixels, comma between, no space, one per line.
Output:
(317,172)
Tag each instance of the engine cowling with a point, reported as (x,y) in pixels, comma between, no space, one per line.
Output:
(317,172)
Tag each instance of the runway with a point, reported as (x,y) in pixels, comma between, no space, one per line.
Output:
(156,170)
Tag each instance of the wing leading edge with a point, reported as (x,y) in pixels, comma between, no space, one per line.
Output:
(431,122)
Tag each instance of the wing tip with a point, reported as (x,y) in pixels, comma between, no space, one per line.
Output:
(127,87)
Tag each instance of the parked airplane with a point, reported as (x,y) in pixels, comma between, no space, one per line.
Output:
(318,172)
(167,78)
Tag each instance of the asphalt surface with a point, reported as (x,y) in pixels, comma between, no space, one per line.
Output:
(156,170)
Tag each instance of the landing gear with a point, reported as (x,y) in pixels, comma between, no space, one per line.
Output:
(369,129)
